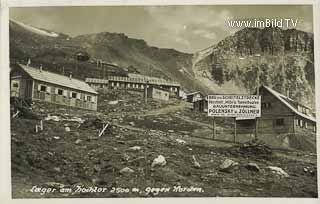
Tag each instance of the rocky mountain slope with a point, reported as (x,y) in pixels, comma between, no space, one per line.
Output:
(131,55)
(282,59)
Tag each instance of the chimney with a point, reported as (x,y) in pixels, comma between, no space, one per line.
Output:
(41,68)
(288,93)
(29,62)
(70,75)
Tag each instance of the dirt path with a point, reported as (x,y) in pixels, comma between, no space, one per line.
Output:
(182,105)
(194,122)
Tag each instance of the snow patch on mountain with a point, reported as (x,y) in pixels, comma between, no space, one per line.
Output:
(36,30)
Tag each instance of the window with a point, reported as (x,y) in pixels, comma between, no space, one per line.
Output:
(101,86)
(279,122)
(246,123)
(16,85)
(73,95)
(89,98)
(43,88)
(307,111)
(60,92)
(266,105)
(300,123)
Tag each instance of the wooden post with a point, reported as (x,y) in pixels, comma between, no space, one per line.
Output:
(213,128)
(235,130)
(146,92)
(294,123)
(256,119)
(41,125)
(102,131)
(256,129)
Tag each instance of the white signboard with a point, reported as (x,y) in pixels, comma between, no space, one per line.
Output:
(243,106)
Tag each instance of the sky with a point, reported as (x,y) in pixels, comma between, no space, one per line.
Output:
(184,28)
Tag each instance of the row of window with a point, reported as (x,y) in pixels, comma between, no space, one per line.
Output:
(302,123)
(299,122)
(303,110)
(61,92)
(266,105)
(137,86)
(160,93)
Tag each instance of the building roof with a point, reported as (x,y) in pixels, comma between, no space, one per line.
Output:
(285,100)
(193,93)
(57,79)
(153,80)
(97,81)
(158,87)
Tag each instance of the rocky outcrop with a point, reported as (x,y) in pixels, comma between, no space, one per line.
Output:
(282,59)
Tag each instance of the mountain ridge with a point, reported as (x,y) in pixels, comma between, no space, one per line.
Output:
(229,66)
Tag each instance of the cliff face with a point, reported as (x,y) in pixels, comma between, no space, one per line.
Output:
(282,59)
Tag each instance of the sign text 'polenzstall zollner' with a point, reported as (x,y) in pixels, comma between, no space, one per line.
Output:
(244,106)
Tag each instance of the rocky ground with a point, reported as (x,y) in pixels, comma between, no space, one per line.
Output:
(147,150)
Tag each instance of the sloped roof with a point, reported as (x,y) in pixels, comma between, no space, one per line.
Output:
(284,99)
(57,79)
(194,93)
(97,81)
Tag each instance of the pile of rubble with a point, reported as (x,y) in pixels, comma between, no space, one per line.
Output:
(254,148)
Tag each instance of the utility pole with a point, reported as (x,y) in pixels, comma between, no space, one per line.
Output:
(146,92)
(235,130)
(213,128)
(257,93)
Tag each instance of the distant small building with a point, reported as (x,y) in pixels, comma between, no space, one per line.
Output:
(36,84)
(182,95)
(134,82)
(157,93)
(194,96)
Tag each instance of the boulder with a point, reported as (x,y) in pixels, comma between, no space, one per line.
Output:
(159,161)
(196,164)
(67,129)
(57,169)
(228,165)
(278,171)
(113,102)
(53,118)
(126,170)
(252,167)
(180,141)
(78,141)
(132,124)
(54,185)
(135,148)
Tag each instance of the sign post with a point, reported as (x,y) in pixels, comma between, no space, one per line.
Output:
(213,128)
(235,106)
(235,130)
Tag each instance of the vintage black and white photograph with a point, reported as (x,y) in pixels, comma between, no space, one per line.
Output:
(163,101)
